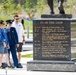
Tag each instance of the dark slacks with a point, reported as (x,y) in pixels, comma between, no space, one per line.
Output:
(14,54)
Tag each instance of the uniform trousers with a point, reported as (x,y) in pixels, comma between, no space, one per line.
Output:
(14,54)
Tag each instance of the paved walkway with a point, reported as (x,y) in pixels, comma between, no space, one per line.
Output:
(25,72)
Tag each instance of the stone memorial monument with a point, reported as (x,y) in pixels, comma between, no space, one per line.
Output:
(52,44)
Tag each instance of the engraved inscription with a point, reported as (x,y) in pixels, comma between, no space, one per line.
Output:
(52,40)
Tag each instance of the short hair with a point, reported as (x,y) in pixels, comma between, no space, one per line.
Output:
(16,16)
(1,21)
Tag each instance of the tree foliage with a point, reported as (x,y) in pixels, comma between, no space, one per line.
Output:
(31,7)
(21,2)
(41,6)
(9,7)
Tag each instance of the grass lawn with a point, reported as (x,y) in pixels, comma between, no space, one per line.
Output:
(27,56)
(73,55)
(28,23)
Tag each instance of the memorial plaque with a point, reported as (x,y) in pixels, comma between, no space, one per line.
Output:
(52,39)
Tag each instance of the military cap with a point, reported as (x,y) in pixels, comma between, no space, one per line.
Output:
(9,21)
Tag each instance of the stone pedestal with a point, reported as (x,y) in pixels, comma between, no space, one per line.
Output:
(52,66)
(52,44)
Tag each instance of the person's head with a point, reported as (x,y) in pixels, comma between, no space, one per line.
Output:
(16,18)
(2,24)
(8,23)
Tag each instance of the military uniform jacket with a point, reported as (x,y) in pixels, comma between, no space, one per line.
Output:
(12,36)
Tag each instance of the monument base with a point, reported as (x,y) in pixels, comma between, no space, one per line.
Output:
(42,65)
(56,16)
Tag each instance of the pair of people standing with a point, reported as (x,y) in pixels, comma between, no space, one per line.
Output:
(13,42)
(16,36)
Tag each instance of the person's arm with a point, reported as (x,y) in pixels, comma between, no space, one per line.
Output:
(23,40)
(4,38)
(5,31)
(7,39)
(16,36)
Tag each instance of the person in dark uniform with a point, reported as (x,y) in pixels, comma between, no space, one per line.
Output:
(13,42)
(60,6)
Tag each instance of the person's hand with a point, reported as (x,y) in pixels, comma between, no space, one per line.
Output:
(8,46)
(4,44)
(17,45)
(23,42)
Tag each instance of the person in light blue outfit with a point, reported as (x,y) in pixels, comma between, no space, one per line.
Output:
(2,42)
